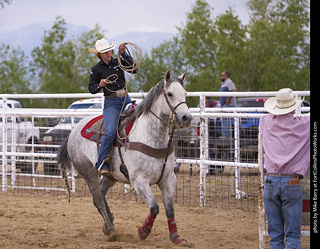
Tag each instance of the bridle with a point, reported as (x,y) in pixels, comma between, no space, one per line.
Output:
(173,109)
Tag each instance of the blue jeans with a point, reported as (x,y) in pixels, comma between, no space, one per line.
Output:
(283,205)
(226,124)
(111,111)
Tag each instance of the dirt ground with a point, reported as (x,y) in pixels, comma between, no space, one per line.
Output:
(28,221)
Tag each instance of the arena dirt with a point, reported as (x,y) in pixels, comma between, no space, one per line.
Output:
(28,221)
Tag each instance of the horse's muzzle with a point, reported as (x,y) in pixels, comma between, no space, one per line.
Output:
(184,121)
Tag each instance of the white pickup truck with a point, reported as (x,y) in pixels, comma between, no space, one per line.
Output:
(21,136)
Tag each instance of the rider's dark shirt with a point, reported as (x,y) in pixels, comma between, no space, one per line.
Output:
(103,70)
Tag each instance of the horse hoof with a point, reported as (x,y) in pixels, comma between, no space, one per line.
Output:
(176,239)
(142,233)
(111,232)
(180,240)
(113,236)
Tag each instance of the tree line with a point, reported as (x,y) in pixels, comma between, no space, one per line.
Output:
(272,51)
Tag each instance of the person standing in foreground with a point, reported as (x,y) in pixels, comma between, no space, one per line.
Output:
(108,75)
(227,86)
(286,142)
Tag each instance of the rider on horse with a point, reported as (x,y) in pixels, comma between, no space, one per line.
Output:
(109,76)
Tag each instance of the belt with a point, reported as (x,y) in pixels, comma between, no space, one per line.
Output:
(111,95)
(114,94)
(286,174)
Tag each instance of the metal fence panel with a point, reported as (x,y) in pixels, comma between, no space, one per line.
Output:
(211,171)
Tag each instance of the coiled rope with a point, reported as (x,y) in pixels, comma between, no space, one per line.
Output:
(136,55)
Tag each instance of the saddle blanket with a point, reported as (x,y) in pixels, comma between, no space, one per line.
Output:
(95,128)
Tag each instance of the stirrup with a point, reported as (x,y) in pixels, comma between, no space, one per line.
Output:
(103,172)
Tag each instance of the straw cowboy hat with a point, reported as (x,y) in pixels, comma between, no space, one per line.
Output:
(102,46)
(283,103)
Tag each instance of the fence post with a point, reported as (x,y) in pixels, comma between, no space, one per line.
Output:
(202,153)
(4,146)
(298,110)
(262,222)
(32,158)
(14,125)
(237,158)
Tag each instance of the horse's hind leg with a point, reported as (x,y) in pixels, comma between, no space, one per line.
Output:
(105,184)
(92,179)
(167,186)
(144,191)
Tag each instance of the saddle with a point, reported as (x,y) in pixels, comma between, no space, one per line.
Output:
(94,129)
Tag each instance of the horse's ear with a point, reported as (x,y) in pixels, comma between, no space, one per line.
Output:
(167,76)
(182,76)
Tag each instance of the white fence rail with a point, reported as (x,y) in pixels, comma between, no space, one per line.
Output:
(32,153)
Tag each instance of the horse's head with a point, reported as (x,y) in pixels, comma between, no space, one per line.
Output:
(169,97)
(175,98)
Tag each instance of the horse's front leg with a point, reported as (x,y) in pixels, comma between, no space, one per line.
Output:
(167,186)
(144,191)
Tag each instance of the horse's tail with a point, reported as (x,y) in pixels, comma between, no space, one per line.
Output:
(64,163)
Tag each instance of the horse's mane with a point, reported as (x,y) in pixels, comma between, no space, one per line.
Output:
(152,95)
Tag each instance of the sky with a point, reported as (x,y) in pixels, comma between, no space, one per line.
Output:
(116,17)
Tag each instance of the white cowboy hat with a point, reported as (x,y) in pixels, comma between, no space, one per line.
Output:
(283,103)
(102,46)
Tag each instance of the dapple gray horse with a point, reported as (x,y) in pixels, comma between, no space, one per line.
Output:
(165,100)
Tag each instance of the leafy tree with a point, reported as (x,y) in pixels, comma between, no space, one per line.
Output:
(165,57)
(84,60)
(199,46)
(204,47)
(14,72)
(231,42)
(271,52)
(193,50)
(62,65)
(278,53)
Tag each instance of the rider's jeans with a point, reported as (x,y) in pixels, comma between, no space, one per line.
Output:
(111,111)
(283,205)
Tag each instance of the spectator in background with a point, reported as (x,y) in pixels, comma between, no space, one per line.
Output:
(211,102)
(227,86)
(286,142)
